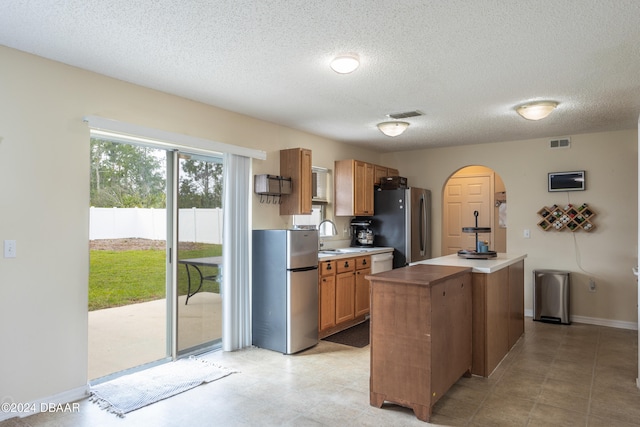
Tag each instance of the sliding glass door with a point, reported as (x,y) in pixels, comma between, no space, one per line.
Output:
(155,254)
(199,222)
(128,253)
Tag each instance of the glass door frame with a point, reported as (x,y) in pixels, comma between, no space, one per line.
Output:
(172,253)
(177,306)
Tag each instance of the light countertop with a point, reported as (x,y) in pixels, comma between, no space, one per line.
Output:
(350,252)
(478,265)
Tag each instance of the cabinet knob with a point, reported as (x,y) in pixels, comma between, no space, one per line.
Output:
(329,266)
(346,264)
(364,262)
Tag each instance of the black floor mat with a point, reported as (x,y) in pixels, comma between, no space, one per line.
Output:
(356,336)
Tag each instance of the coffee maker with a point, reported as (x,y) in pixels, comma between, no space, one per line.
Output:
(361,233)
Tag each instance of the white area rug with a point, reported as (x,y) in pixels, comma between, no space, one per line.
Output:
(133,391)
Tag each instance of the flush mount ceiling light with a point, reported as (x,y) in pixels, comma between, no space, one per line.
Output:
(345,64)
(393,128)
(536,110)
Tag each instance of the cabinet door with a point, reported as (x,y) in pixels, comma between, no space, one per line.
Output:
(306,181)
(343,186)
(296,163)
(362,295)
(382,172)
(363,188)
(379,172)
(368,189)
(345,286)
(327,302)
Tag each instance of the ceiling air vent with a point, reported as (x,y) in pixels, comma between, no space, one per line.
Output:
(560,143)
(406,114)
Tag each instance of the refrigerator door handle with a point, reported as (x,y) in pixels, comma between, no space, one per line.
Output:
(311,267)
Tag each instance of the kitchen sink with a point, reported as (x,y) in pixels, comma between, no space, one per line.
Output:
(341,251)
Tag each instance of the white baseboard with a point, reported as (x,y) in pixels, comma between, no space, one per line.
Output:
(41,405)
(595,321)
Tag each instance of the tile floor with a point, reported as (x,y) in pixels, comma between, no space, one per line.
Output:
(577,375)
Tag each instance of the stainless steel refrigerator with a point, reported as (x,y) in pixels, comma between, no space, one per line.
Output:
(285,290)
(402,220)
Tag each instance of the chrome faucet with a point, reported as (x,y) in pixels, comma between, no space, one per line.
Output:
(322,230)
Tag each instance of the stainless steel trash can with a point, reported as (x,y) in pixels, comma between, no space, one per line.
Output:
(551,296)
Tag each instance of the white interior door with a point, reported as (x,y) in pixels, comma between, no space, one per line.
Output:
(462,196)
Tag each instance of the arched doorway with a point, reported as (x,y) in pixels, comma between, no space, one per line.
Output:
(469,189)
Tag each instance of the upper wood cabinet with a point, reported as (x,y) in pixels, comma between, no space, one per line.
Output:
(383,171)
(354,188)
(296,163)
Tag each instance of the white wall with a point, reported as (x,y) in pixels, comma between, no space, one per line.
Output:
(607,254)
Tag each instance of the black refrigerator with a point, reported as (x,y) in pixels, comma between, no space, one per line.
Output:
(402,220)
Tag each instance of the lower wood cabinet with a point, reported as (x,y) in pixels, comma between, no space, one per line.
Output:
(327,295)
(343,293)
(345,290)
(362,294)
(420,335)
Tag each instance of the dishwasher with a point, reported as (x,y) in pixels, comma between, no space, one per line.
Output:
(381,262)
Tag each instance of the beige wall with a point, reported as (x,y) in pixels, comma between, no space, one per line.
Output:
(44,162)
(44,155)
(607,254)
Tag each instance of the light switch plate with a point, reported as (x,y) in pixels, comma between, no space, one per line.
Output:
(9,248)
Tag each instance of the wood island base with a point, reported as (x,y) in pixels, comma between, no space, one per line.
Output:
(422,412)
(420,330)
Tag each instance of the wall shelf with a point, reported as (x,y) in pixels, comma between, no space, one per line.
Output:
(568,217)
(271,185)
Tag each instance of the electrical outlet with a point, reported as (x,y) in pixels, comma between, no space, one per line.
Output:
(527,233)
(592,285)
(9,248)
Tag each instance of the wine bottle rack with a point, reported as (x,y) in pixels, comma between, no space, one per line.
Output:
(569,217)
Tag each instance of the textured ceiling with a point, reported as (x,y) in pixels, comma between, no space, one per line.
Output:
(465,64)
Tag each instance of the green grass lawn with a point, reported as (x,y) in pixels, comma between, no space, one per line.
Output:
(119,278)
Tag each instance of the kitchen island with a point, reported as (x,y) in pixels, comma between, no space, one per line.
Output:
(420,335)
(498,305)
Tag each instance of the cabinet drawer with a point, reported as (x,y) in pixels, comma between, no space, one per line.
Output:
(363,262)
(327,268)
(345,265)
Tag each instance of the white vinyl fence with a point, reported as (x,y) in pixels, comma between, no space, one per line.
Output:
(194,225)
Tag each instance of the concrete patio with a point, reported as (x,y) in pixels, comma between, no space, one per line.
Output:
(125,337)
